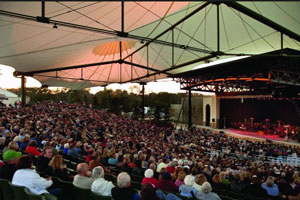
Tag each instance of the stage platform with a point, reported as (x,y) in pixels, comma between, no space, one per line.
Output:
(254,136)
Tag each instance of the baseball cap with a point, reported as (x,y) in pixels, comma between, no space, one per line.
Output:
(11,154)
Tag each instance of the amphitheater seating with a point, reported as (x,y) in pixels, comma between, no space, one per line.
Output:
(32,196)
(136,178)
(6,191)
(100,197)
(136,185)
(19,192)
(227,198)
(68,189)
(83,194)
(236,195)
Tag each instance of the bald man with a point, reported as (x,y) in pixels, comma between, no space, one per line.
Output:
(83,179)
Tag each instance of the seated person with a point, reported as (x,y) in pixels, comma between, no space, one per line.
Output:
(83,179)
(123,191)
(100,185)
(29,178)
(270,187)
(187,189)
(166,183)
(206,193)
(32,148)
(149,178)
(42,164)
(10,158)
(58,169)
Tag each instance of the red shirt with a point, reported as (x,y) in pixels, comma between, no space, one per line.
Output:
(152,181)
(170,169)
(33,151)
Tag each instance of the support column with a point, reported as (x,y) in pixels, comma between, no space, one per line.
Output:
(190,109)
(143,100)
(23,90)
(218,28)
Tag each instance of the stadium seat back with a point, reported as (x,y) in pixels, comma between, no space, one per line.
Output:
(6,191)
(83,194)
(19,192)
(100,197)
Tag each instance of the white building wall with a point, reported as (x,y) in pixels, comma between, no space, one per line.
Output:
(11,100)
(214,103)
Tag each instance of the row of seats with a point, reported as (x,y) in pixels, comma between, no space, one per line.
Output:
(13,192)
(9,191)
(136,183)
(229,195)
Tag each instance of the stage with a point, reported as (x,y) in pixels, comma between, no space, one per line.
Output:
(254,136)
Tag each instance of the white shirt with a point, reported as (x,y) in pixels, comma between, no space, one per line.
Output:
(83,181)
(102,187)
(31,180)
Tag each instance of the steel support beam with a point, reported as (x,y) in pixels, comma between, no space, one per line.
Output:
(262,19)
(190,109)
(43,8)
(122,16)
(218,27)
(143,100)
(31,73)
(23,90)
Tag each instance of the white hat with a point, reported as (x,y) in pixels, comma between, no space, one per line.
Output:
(180,163)
(148,173)
(206,187)
(189,180)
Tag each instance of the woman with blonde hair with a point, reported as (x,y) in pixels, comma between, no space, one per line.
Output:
(180,178)
(13,145)
(58,169)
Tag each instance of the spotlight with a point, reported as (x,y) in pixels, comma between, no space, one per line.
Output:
(55,25)
(142,42)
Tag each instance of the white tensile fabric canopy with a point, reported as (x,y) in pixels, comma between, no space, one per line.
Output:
(78,45)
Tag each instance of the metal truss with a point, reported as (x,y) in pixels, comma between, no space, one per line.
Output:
(220,88)
(222,85)
(44,19)
(285,77)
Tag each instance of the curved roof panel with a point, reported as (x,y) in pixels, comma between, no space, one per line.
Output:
(79,43)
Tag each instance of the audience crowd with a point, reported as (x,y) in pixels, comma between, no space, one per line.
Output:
(171,161)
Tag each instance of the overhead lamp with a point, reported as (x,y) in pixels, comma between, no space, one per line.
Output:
(55,25)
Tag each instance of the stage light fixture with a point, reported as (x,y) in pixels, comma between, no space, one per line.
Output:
(55,26)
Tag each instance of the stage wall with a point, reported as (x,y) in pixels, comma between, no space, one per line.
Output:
(238,110)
